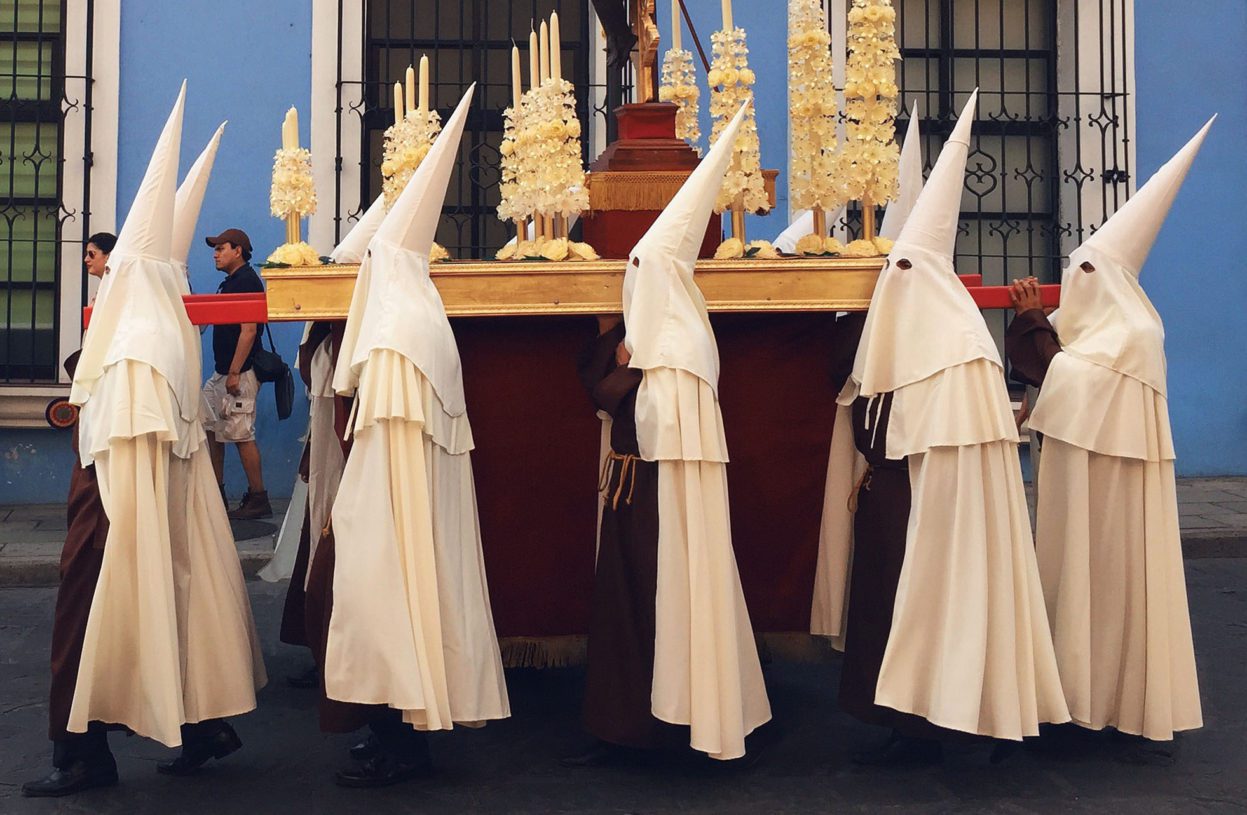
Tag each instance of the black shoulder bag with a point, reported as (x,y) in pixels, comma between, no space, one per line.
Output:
(270,367)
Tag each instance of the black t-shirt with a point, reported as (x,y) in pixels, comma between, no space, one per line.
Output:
(225,337)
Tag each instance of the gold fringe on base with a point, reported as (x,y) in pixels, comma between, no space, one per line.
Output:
(570,650)
(543,652)
(632,192)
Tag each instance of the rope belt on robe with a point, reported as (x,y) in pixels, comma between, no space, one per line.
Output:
(627,474)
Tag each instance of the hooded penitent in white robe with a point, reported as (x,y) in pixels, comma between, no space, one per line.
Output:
(969,647)
(845,465)
(1110,552)
(222,661)
(325,458)
(706,669)
(169,637)
(411,625)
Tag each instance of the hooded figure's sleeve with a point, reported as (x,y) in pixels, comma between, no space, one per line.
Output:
(1031,343)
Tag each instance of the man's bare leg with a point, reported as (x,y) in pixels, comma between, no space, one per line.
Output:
(249,453)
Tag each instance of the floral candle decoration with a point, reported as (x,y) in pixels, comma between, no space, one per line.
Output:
(812,105)
(292,195)
(679,85)
(869,161)
(731,82)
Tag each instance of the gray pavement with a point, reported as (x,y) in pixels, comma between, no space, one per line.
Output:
(510,766)
(1213,513)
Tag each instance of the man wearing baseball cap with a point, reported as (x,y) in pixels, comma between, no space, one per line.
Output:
(229,394)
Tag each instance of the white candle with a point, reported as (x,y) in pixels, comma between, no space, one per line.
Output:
(285,131)
(398,102)
(544,36)
(534,69)
(516,91)
(675,24)
(556,47)
(727,15)
(410,87)
(424,83)
(293,116)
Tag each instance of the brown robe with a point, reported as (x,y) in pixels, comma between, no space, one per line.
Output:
(620,671)
(293,616)
(880,525)
(1030,344)
(81,559)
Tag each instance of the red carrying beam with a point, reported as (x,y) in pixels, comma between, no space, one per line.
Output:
(217,309)
(998,296)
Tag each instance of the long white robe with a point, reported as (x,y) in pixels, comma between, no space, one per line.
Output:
(411,626)
(706,669)
(1110,552)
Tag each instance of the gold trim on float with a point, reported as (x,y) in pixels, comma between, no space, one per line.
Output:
(517,288)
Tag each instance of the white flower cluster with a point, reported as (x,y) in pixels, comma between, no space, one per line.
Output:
(871,157)
(731,82)
(679,85)
(292,192)
(511,207)
(812,102)
(406,144)
(543,150)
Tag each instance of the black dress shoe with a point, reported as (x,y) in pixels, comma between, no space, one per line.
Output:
(306,680)
(365,749)
(77,777)
(383,770)
(902,751)
(219,743)
(598,754)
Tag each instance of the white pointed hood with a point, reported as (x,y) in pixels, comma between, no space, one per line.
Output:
(911,183)
(1106,317)
(355,243)
(138,313)
(395,305)
(190,197)
(921,319)
(664,311)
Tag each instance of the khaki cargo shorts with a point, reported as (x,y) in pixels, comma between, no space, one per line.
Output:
(230,417)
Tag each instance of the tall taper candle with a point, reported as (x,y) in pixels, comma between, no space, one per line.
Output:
(727,15)
(556,47)
(516,92)
(285,131)
(424,83)
(410,87)
(534,69)
(293,115)
(675,24)
(398,102)
(544,35)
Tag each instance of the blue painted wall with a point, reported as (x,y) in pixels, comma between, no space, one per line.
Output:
(1195,273)
(248,72)
(767,26)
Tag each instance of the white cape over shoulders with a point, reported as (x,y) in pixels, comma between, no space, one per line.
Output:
(411,625)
